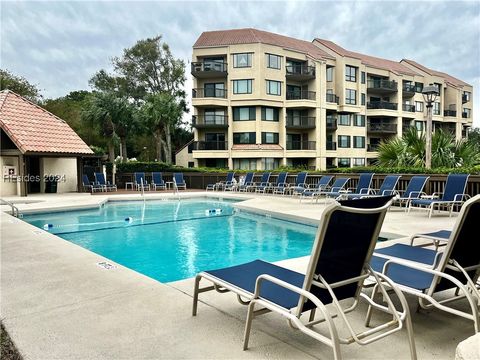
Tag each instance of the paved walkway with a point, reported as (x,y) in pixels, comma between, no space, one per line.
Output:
(58,304)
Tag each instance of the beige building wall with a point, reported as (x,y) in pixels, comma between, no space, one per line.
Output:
(66,168)
(9,186)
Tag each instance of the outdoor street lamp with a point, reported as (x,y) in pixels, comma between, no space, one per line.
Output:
(430,94)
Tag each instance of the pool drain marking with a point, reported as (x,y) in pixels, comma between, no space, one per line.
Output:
(106,265)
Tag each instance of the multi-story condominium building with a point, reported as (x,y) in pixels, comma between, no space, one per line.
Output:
(262,100)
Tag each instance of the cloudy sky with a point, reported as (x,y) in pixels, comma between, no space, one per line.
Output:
(60,45)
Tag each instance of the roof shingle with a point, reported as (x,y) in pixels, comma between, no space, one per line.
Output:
(34,129)
(448,78)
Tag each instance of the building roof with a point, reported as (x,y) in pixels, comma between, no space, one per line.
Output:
(448,78)
(35,130)
(368,60)
(253,36)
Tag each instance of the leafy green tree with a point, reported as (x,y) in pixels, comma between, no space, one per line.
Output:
(19,85)
(409,151)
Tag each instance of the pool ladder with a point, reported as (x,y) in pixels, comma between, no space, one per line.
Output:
(14,210)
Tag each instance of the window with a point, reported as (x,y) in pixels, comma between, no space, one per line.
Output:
(273,61)
(343,141)
(358,161)
(244,138)
(344,119)
(436,108)
(242,86)
(330,73)
(245,164)
(466,113)
(191,164)
(270,163)
(242,60)
(359,142)
(363,77)
(363,98)
(418,106)
(269,114)
(343,162)
(350,73)
(466,96)
(419,125)
(244,113)
(214,90)
(269,138)
(358,120)
(214,116)
(274,87)
(418,87)
(350,96)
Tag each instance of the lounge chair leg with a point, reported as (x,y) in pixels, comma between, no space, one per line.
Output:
(430,212)
(248,324)
(312,314)
(195,295)
(368,317)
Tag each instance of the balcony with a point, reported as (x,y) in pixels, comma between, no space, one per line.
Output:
(300,72)
(372,147)
(332,98)
(209,121)
(382,105)
(300,122)
(209,93)
(408,90)
(301,95)
(331,145)
(382,86)
(209,69)
(450,113)
(331,123)
(209,145)
(408,107)
(465,115)
(382,128)
(301,145)
(465,98)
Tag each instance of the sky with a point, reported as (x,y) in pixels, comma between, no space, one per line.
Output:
(59,45)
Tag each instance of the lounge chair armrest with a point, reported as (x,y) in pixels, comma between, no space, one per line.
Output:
(436,195)
(416,194)
(388,192)
(337,189)
(365,191)
(462,197)
(352,189)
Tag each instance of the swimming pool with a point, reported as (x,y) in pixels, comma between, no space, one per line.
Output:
(174,240)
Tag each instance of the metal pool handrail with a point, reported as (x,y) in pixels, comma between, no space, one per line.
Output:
(14,209)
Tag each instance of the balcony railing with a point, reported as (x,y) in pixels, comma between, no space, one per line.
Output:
(408,89)
(301,95)
(209,69)
(300,122)
(300,145)
(332,98)
(209,145)
(205,121)
(331,145)
(300,71)
(451,113)
(382,85)
(408,107)
(331,123)
(382,128)
(382,105)
(214,93)
(372,147)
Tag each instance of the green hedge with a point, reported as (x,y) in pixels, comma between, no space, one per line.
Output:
(138,166)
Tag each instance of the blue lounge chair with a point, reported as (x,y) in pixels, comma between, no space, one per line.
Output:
(331,276)
(281,185)
(157,181)
(453,195)
(141,181)
(88,186)
(247,182)
(413,191)
(300,184)
(363,188)
(221,185)
(105,185)
(263,184)
(337,187)
(322,185)
(387,188)
(425,272)
(178,181)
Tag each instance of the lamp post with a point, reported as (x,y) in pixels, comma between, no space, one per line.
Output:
(430,94)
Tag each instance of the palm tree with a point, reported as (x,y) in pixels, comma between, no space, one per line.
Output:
(409,150)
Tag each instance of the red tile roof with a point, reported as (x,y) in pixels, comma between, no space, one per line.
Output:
(256,147)
(34,129)
(368,60)
(448,78)
(253,36)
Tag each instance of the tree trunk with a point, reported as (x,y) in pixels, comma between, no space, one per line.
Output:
(111,152)
(123,142)
(158,144)
(168,145)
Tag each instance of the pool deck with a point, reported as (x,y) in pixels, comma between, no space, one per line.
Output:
(57,303)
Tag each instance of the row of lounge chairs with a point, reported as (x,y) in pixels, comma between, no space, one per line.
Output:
(333,277)
(413,197)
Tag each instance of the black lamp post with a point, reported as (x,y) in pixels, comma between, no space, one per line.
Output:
(430,94)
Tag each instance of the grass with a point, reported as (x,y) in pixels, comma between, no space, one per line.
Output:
(7,348)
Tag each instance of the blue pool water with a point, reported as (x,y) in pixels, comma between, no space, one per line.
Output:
(173,240)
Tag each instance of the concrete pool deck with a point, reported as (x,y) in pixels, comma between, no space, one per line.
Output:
(56,302)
